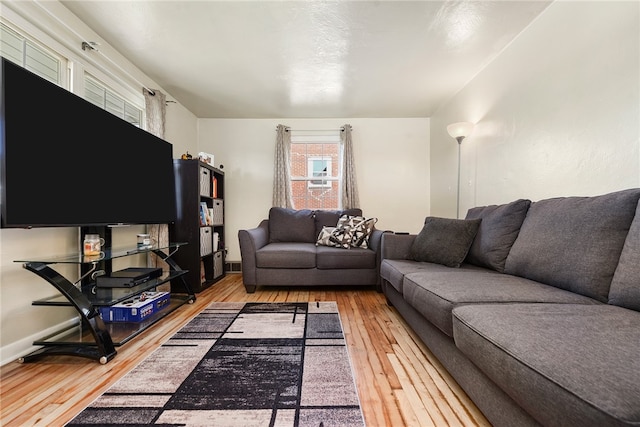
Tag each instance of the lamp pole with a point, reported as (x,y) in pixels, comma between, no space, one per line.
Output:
(459,131)
(459,139)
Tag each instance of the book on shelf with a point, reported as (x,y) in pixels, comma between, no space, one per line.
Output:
(205,217)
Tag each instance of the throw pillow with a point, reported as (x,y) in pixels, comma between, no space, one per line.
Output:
(330,218)
(360,228)
(444,241)
(332,236)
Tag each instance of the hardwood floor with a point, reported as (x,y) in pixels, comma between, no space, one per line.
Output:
(399,381)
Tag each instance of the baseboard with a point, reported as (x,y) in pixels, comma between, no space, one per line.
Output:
(233,266)
(17,349)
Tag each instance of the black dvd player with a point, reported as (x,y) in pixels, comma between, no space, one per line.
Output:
(128,277)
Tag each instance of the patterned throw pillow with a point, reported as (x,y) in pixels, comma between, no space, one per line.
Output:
(332,236)
(359,227)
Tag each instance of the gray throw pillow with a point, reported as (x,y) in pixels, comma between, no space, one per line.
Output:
(290,225)
(499,228)
(444,241)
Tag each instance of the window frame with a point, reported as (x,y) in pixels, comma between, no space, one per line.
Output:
(73,68)
(309,137)
(109,100)
(27,44)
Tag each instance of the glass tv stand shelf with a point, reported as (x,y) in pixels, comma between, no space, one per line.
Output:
(91,337)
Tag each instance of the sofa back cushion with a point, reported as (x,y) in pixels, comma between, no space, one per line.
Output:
(498,230)
(327,218)
(625,286)
(291,225)
(574,243)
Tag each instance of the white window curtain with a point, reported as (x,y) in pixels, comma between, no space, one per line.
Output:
(282,195)
(156,111)
(350,198)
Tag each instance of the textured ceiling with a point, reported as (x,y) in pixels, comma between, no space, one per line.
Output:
(313,59)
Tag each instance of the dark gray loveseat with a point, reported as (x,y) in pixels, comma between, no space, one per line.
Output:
(283,250)
(541,322)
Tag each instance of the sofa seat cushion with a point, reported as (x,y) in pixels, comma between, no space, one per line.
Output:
(286,255)
(436,294)
(394,270)
(329,258)
(571,365)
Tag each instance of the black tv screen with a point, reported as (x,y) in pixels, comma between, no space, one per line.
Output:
(67,162)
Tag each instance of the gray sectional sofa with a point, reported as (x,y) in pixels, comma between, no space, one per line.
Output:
(540,322)
(283,250)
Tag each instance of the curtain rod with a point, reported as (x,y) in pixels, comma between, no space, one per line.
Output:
(92,47)
(341,129)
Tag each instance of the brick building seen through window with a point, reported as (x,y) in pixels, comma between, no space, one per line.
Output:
(315,174)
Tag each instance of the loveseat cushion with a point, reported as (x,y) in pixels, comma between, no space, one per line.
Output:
(444,241)
(574,243)
(565,364)
(291,225)
(436,293)
(498,230)
(286,255)
(625,286)
(329,258)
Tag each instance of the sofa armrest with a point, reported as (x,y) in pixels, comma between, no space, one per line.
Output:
(250,241)
(375,244)
(396,246)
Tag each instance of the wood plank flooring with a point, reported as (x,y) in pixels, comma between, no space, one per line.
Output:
(400,383)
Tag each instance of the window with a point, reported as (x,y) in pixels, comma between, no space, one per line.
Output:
(18,49)
(315,155)
(100,95)
(319,167)
(47,64)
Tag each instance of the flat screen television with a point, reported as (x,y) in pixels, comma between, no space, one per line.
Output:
(67,162)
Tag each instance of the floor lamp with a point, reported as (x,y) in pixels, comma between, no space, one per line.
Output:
(459,131)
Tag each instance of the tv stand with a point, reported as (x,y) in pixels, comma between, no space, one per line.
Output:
(91,337)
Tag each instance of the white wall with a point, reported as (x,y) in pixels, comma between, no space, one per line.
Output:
(392,166)
(21,322)
(557,113)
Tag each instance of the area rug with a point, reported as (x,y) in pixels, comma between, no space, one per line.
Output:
(240,364)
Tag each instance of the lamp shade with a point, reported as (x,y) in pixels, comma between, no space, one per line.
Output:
(460,129)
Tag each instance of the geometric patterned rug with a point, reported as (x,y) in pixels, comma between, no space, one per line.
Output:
(240,364)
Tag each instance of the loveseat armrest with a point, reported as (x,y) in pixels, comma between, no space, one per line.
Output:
(250,241)
(396,246)
(375,240)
